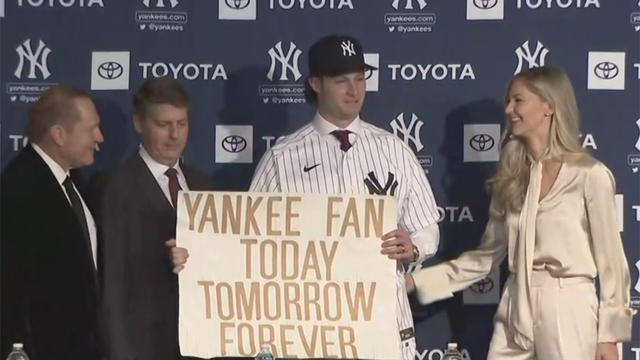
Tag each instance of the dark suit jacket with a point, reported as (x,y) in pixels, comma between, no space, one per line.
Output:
(48,289)
(140,294)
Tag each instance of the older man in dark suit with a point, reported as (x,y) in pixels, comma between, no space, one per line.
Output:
(136,217)
(48,236)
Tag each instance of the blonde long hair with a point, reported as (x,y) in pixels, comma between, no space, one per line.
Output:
(508,186)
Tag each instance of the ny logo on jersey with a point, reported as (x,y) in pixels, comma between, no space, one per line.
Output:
(288,62)
(37,59)
(534,59)
(375,188)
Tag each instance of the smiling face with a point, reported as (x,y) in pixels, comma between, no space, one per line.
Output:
(340,98)
(164,132)
(528,114)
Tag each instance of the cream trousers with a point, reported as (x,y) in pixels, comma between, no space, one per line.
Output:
(565,321)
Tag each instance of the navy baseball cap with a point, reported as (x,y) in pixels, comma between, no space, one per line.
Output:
(335,55)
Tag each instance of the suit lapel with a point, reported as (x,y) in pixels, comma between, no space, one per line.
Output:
(49,184)
(148,184)
(52,191)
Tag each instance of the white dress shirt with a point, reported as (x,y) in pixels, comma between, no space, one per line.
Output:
(158,171)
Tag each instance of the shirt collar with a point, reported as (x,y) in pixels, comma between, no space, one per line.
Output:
(324,127)
(56,169)
(157,169)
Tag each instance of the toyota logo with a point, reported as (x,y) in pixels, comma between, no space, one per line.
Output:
(483,286)
(234,143)
(110,70)
(237,4)
(606,70)
(485,4)
(482,142)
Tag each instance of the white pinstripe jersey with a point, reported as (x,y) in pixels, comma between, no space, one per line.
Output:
(310,161)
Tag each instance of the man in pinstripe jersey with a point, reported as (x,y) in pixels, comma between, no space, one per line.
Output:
(340,153)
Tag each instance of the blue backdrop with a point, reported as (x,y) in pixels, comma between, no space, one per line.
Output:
(443,65)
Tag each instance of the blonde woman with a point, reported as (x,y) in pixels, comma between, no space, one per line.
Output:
(552,214)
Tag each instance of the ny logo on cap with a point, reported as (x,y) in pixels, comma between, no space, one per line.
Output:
(347,48)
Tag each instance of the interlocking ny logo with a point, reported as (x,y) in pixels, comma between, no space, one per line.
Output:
(36,60)
(347,48)
(485,4)
(287,62)
(408,4)
(375,188)
(533,60)
(160,3)
(399,127)
(638,142)
(237,4)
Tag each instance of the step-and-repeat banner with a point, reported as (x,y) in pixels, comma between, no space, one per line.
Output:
(442,69)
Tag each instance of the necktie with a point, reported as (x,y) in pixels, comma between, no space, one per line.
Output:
(77,207)
(343,137)
(174,186)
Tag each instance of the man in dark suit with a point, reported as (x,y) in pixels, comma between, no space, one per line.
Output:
(48,236)
(136,217)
